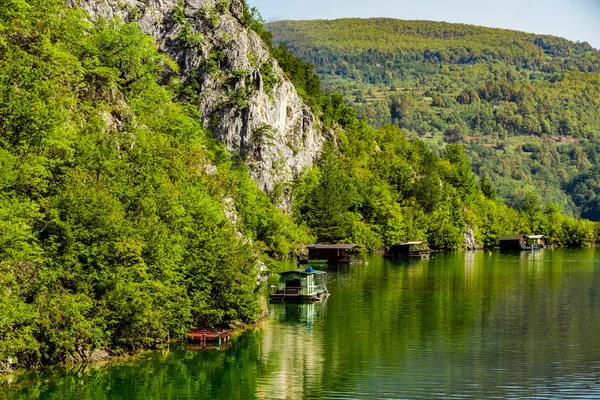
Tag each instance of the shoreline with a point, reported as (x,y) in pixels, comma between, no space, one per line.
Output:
(104,360)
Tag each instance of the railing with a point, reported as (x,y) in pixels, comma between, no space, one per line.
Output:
(289,290)
(298,290)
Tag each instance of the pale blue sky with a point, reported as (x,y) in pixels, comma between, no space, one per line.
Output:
(573,19)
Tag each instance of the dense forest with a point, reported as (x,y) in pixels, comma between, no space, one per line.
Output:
(524,106)
(379,185)
(123,223)
(113,225)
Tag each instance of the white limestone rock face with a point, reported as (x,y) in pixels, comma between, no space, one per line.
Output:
(243,96)
(470,240)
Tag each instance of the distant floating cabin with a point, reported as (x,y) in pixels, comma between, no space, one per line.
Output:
(536,241)
(301,285)
(522,242)
(409,249)
(333,253)
(512,242)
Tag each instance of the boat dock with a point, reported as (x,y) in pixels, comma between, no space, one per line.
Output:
(209,335)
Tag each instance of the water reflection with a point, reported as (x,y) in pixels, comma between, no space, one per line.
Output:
(303,314)
(475,324)
(294,344)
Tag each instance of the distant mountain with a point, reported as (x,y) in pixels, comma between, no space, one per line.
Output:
(431,42)
(525,106)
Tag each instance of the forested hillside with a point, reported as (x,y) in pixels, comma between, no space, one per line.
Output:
(379,185)
(524,106)
(122,221)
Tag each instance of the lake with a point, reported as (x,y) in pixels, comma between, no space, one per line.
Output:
(457,325)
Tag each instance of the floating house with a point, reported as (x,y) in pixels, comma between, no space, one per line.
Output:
(301,285)
(409,249)
(512,242)
(333,253)
(522,242)
(535,241)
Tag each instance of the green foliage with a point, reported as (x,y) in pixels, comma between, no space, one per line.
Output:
(384,39)
(122,222)
(187,37)
(585,189)
(378,188)
(382,189)
(525,107)
(487,188)
(329,209)
(268,77)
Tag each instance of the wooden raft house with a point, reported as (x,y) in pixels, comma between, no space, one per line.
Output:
(332,253)
(409,249)
(522,242)
(536,241)
(209,335)
(301,285)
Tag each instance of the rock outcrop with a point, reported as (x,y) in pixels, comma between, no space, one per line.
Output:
(244,97)
(470,240)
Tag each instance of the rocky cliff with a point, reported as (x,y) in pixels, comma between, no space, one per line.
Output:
(243,96)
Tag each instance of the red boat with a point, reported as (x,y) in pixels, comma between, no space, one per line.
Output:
(209,335)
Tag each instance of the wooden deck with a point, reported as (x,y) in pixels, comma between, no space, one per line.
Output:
(286,296)
(209,335)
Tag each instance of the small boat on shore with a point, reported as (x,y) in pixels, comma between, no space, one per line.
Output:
(301,285)
(209,335)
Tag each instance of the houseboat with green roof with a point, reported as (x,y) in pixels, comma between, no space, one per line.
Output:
(301,285)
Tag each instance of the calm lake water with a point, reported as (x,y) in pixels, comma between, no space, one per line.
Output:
(459,325)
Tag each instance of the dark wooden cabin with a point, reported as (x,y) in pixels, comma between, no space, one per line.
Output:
(512,242)
(333,253)
(409,249)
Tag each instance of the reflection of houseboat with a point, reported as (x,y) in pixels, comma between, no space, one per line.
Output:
(332,253)
(301,285)
(410,249)
(299,313)
(522,242)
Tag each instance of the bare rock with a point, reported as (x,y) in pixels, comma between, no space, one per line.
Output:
(7,366)
(99,355)
(470,241)
(244,98)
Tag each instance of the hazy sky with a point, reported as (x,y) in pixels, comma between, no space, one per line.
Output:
(573,19)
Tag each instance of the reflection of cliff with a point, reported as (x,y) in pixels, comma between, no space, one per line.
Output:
(293,345)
